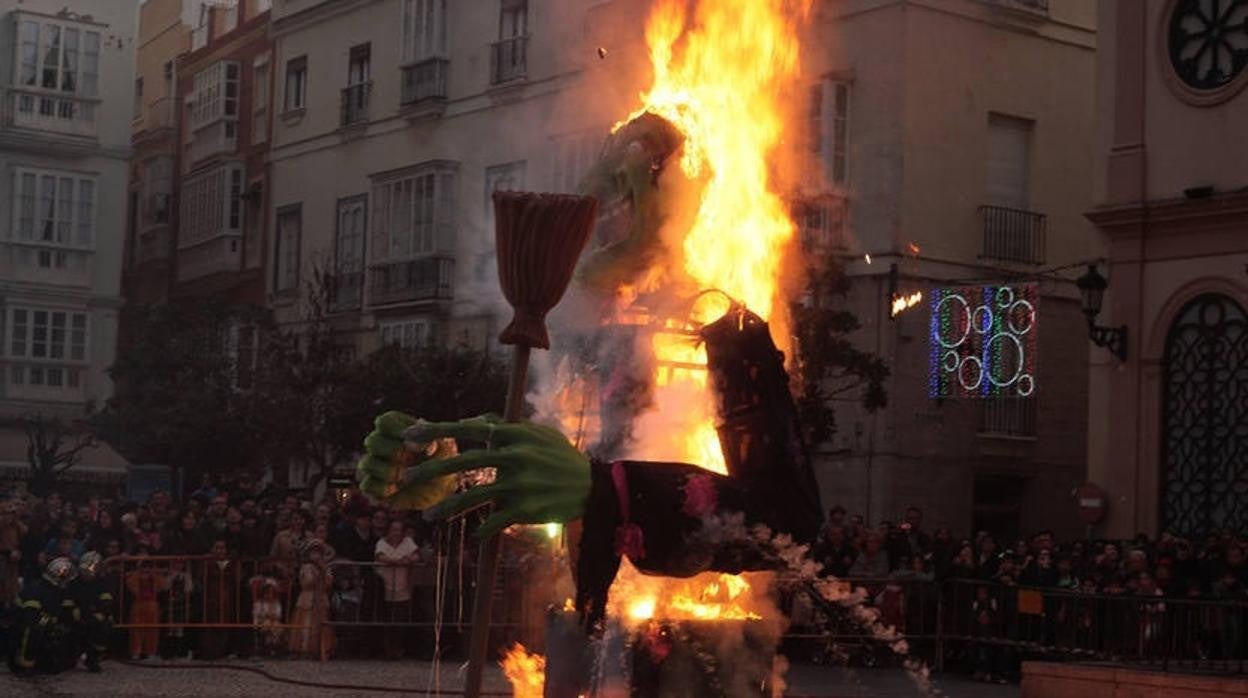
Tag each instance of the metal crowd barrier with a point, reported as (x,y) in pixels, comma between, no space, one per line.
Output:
(250,606)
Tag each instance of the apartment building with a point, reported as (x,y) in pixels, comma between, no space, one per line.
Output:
(955,140)
(222,93)
(66,72)
(387,144)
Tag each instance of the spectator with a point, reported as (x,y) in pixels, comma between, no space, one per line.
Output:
(11,532)
(986,558)
(311,637)
(397,554)
(206,490)
(188,538)
(835,552)
(287,543)
(963,565)
(357,543)
(872,562)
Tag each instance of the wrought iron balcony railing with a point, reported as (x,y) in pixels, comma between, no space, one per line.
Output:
(1014,235)
(424,279)
(348,291)
(509,60)
(425,80)
(355,104)
(1008,417)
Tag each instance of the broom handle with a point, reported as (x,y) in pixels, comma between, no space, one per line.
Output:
(487,562)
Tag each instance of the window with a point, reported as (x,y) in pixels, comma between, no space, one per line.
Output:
(54,209)
(211,205)
(355,96)
(216,94)
(510,55)
(513,19)
(296,83)
(424,29)
(286,248)
(408,334)
(52,335)
(260,100)
(573,156)
(829,128)
(413,214)
(138,98)
(349,252)
(56,56)
(157,188)
(1008,165)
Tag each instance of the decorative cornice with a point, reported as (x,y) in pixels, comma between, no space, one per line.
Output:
(311,15)
(1173,216)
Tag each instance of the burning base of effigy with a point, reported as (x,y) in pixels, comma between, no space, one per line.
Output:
(662,659)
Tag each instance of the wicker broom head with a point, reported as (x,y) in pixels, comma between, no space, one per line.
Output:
(539,239)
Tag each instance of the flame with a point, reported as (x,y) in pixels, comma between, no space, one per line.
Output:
(720,68)
(903,303)
(636,597)
(526,672)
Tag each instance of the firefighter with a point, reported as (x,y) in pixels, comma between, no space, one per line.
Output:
(95,603)
(45,624)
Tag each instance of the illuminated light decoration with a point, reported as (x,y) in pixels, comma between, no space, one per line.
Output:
(902,303)
(552,530)
(983,341)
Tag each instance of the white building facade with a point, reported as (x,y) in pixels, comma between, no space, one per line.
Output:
(66,80)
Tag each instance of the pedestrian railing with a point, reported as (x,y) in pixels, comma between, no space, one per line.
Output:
(282,606)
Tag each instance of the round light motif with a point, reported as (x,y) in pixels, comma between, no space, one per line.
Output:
(1018,370)
(1005,297)
(966,311)
(1026,385)
(979,373)
(1029,312)
(982,327)
(950,361)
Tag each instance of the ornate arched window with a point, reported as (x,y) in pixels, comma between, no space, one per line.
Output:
(1204,483)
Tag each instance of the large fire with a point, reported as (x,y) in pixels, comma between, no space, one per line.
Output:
(525,672)
(719,70)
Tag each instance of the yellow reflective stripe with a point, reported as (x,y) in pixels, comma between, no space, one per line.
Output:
(106,596)
(21,652)
(31,603)
(67,602)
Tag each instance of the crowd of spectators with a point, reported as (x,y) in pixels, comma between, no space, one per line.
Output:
(1103,598)
(1215,567)
(276,560)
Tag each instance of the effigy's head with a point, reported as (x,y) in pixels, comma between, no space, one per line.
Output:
(647,204)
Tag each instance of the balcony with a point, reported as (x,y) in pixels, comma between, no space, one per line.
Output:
(424,279)
(509,60)
(219,138)
(348,291)
(1013,235)
(44,382)
(355,104)
(49,112)
(424,81)
(47,265)
(1008,417)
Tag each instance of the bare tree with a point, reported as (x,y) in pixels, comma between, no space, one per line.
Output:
(53,446)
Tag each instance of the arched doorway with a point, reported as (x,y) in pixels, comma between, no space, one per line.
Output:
(1204,483)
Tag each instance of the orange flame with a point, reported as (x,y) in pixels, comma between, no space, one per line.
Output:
(719,70)
(902,303)
(526,672)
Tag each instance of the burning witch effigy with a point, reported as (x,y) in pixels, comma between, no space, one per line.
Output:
(665,428)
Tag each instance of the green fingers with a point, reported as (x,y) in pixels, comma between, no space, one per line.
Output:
(380,445)
(392,424)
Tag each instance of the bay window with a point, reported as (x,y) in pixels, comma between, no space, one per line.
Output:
(211,205)
(57,75)
(55,217)
(413,213)
(46,347)
(213,110)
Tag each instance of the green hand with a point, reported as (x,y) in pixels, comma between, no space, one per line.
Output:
(388,457)
(542,478)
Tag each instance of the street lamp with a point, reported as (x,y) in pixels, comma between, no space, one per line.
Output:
(1092,287)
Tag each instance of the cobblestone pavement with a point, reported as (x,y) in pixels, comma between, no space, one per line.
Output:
(413,678)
